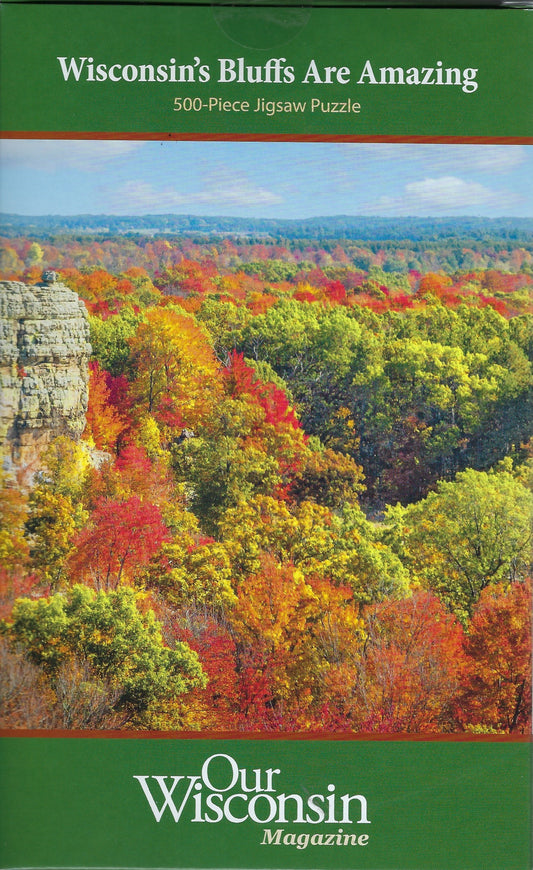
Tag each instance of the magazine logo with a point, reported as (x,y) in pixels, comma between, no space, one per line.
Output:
(223,791)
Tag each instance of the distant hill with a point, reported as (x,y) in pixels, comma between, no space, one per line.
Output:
(517,230)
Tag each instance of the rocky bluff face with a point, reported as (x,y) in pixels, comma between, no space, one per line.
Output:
(44,355)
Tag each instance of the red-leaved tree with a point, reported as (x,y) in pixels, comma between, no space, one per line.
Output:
(119,541)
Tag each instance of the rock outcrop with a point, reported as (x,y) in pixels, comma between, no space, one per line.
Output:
(44,355)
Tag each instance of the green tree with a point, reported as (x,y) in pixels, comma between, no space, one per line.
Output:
(469,533)
(122,647)
(110,340)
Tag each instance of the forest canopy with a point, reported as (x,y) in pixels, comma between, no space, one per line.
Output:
(302,500)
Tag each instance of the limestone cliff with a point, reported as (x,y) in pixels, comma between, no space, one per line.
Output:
(44,354)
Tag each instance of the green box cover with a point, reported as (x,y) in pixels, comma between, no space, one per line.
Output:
(289,626)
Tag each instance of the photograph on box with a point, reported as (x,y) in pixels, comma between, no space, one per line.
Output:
(266,428)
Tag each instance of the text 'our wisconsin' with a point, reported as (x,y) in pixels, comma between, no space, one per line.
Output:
(223,791)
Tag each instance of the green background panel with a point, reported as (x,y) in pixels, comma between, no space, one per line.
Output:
(433,805)
(496,42)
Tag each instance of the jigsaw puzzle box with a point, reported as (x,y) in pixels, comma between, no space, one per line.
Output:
(266,374)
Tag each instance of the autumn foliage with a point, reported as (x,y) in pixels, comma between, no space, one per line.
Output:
(301,501)
(496,680)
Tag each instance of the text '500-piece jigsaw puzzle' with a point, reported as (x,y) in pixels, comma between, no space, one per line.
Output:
(266,392)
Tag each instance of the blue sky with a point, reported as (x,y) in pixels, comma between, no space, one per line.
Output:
(254,179)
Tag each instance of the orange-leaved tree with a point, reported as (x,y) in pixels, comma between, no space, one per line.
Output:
(410,671)
(496,680)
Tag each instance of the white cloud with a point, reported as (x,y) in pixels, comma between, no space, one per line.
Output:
(52,154)
(446,194)
(449,192)
(221,191)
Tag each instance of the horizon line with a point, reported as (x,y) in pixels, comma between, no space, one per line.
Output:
(215,216)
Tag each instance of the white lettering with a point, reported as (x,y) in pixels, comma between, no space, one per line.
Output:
(234,770)
(72,67)
(167,794)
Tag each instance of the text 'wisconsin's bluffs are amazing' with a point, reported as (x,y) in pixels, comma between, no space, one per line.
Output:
(274,71)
